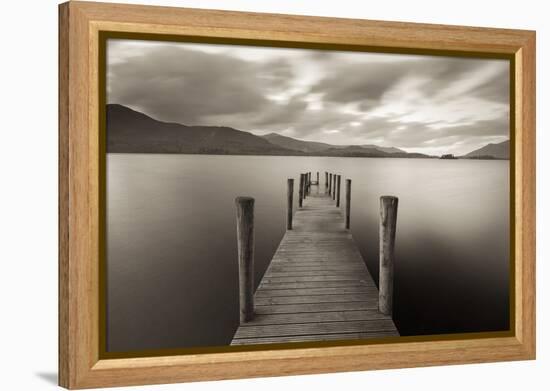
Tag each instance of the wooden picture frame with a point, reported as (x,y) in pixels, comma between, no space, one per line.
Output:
(80,192)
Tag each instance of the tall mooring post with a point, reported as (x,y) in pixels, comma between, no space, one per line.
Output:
(348,202)
(245,251)
(317,178)
(388,223)
(339,177)
(290,198)
(334,187)
(330,184)
(326,181)
(305,186)
(301,191)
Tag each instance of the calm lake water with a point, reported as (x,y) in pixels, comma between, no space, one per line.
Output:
(171,243)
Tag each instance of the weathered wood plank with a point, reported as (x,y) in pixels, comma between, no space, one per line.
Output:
(361,277)
(315,284)
(315,317)
(316,307)
(313,291)
(305,299)
(316,337)
(312,273)
(316,262)
(281,330)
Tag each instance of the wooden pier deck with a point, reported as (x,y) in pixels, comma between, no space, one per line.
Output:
(317,287)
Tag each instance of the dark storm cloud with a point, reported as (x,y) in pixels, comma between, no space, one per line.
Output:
(495,89)
(273,117)
(441,74)
(281,115)
(181,85)
(366,84)
(360,82)
(293,116)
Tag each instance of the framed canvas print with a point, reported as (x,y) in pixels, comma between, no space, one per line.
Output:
(248,195)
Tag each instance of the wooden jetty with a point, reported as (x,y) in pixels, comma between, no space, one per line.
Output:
(317,286)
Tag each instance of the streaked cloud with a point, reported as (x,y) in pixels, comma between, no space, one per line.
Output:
(418,103)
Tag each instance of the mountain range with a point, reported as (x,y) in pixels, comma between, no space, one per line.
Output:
(129,131)
(491,151)
(313,146)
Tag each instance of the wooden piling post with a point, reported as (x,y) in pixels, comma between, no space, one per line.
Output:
(334,187)
(301,191)
(308,183)
(330,184)
(388,223)
(339,178)
(304,189)
(317,178)
(348,202)
(245,250)
(326,181)
(290,197)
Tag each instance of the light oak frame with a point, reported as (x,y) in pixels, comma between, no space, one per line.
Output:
(80,362)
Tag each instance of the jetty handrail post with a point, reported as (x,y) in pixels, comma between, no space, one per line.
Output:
(334,187)
(348,202)
(330,184)
(290,197)
(339,178)
(245,251)
(388,223)
(303,186)
(301,191)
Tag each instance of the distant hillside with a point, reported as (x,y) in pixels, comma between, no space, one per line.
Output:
(354,151)
(363,151)
(297,145)
(491,151)
(313,146)
(384,149)
(129,131)
(133,132)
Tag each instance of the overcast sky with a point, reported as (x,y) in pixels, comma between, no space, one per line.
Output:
(423,104)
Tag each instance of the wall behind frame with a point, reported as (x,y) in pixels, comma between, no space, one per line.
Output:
(28,200)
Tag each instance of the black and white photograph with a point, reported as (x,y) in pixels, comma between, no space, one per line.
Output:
(266,195)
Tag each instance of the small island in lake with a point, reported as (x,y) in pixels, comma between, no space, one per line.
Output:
(448,156)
